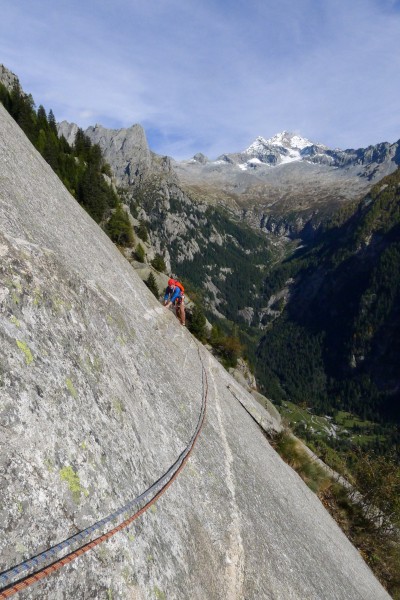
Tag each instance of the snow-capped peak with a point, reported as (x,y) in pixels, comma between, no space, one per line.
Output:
(285,139)
(289,140)
(258,145)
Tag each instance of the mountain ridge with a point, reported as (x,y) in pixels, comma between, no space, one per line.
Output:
(278,190)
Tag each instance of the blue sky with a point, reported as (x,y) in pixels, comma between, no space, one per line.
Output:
(211,75)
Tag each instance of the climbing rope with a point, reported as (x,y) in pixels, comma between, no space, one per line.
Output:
(9,588)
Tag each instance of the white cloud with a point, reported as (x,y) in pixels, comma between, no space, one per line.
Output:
(205,76)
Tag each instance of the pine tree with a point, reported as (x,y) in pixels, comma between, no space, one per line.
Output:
(152,285)
(41,121)
(119,228)
(197,323)
(140,253)
(52,122)
(82,145)
(159,263)
(142,231)
(5,97)
(22,110)
(90,194)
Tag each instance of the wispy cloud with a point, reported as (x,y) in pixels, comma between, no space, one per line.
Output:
(210,76)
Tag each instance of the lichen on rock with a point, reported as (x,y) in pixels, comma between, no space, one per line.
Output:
(68,475)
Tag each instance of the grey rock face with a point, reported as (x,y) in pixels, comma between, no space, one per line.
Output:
(100,390)
(201,158)
(68,130)
(7,78)
(126,150)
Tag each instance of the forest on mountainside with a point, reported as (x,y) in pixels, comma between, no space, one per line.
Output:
(336,345)
(81,168)
(227,266)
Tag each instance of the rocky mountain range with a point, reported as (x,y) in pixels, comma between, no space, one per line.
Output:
(285,185)
(94,409)
(286,147)
(198,210)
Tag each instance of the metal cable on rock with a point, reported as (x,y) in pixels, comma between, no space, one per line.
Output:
(157,488)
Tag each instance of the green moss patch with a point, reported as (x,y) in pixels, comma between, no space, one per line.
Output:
(71,388)
(72,478)
(24,348)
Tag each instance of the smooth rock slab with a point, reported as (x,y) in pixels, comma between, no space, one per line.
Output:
(100,390)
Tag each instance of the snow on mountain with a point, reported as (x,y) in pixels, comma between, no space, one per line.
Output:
(285,139)
(282,148)
(258,145)
(289,140)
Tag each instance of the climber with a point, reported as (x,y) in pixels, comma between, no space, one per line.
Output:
(174,296)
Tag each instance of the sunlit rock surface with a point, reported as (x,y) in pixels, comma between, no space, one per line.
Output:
(100,390)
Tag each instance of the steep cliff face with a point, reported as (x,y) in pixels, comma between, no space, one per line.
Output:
(126,150)
(100,391)
(7,78)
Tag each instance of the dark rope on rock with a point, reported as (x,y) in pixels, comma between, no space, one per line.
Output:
(9,589)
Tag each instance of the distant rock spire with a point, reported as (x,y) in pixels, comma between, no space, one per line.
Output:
(8,78)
